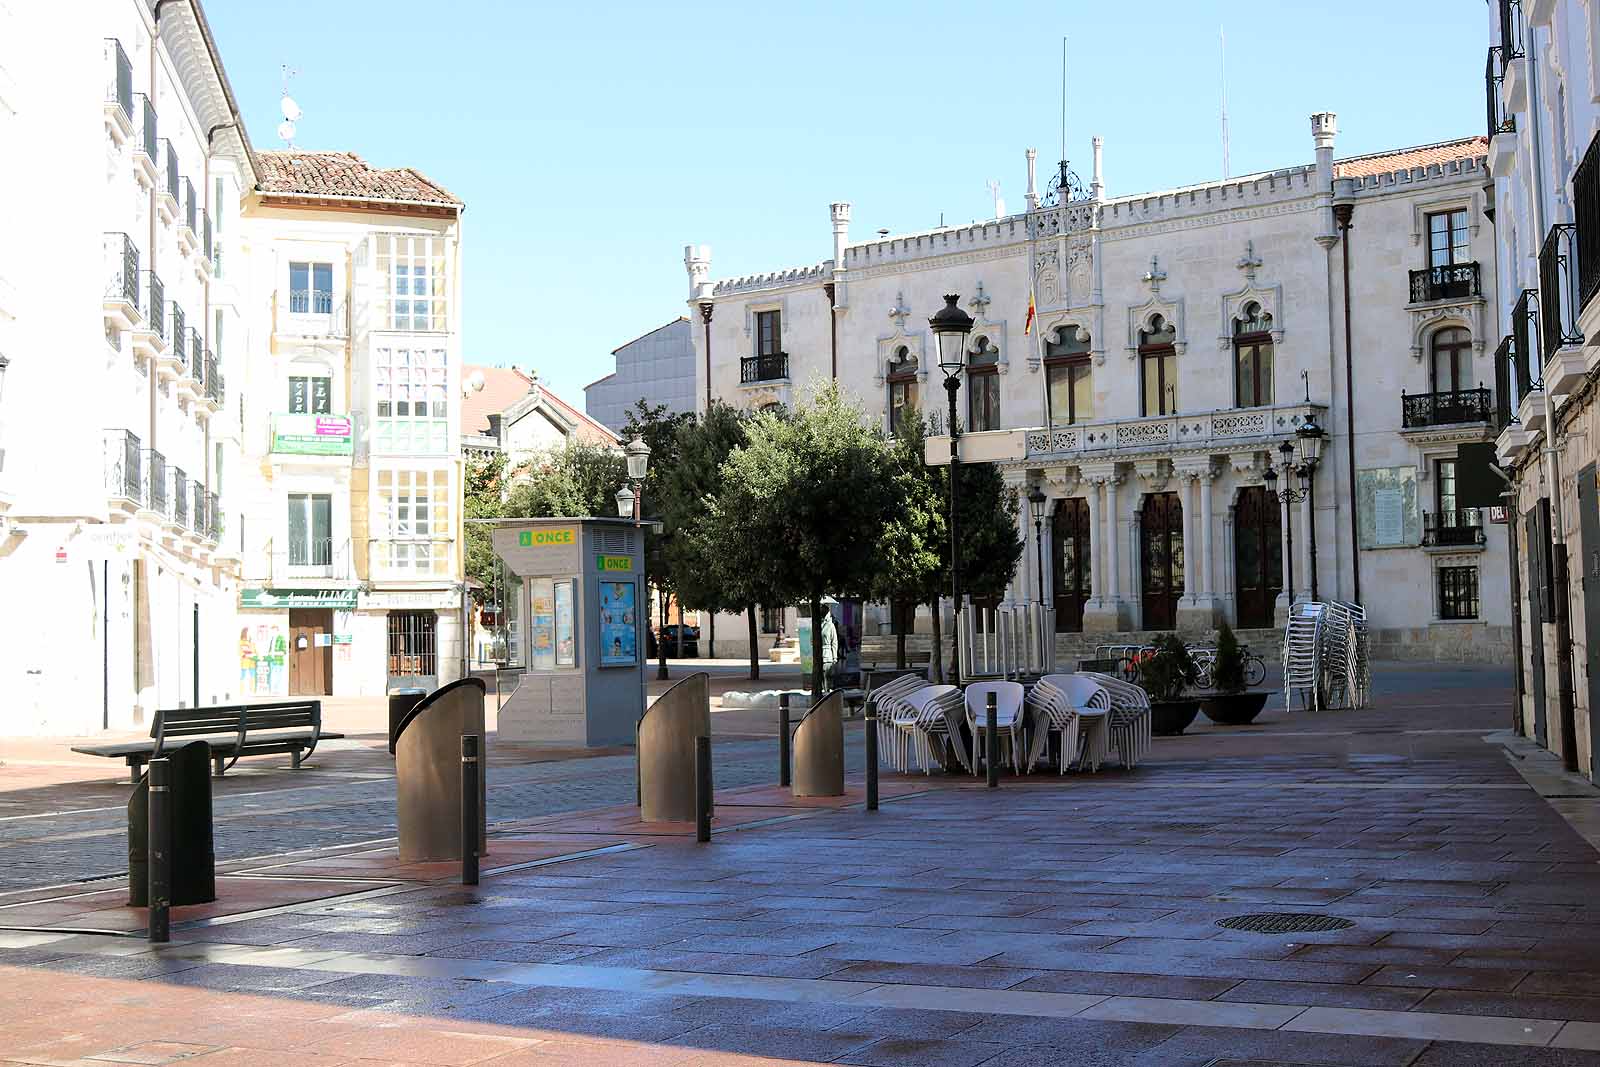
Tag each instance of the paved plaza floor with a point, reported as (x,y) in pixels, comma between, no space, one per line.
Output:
(1054,920)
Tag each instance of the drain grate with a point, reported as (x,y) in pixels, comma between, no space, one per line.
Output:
(1286,922)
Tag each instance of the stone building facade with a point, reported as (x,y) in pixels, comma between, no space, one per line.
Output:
(1543,83)
(1181,337)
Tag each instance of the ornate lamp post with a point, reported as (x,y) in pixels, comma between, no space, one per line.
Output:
(950,326)
(1036,503)
(629,502)
(637,455)
(1300,460)
(1308,442)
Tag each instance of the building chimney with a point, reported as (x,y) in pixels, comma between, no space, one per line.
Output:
(1097,186)
(1033,187)
(697,261)
(494,427)
(840,214)
(1324,127)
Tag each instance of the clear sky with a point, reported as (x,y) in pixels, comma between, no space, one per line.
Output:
(592,141)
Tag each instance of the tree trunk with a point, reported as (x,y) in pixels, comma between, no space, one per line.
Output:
(936,657)
(898,616)
(755,647)
(816,645)
(711,632)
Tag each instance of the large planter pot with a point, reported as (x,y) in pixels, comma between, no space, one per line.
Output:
(1234,709)
(1169,718)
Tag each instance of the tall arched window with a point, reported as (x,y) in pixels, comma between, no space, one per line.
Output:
(902,379)
(1252,357)
(1158,368)
(983,386)
(1067,377)
(1450,356)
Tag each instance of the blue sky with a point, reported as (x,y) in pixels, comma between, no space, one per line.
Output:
(592,141)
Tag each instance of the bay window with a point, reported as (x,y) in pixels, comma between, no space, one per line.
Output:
(411,388)
(413,510)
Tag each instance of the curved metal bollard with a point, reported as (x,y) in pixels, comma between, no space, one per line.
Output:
(819,749)
(666,751)
(427,763)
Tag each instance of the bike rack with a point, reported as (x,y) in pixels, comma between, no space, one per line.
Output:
(819,749)
(427,768)
(666,750)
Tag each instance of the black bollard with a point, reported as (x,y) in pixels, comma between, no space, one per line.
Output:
(991,743)
(469,809)
(160,895)
(871,726)
(702,789)
(783,740)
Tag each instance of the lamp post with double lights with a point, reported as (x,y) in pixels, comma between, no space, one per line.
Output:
(629,502)
(1300,460)
(1036,503)
(951,326)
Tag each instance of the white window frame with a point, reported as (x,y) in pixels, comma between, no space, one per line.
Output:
(412,547)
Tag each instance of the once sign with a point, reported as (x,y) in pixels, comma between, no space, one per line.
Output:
(547,538)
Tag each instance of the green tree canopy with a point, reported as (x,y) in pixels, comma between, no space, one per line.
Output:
(573,479)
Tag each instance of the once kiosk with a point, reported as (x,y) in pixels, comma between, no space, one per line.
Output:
(584,605)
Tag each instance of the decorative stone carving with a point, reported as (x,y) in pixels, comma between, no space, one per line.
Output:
(1139,319)
(1155,473)
(1466,312)
(1233,304)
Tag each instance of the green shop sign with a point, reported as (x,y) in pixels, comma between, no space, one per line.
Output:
(613,563)
(297,598)
(311,435)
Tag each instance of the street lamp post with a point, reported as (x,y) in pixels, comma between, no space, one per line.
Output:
(950,326)
(1036,502)
(629,504)
(1308,441)
(1299,459)
(1270,476)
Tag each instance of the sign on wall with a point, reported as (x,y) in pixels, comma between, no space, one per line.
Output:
(1388,515)
(311,435)
(618,633)
(279,599)
(558,538)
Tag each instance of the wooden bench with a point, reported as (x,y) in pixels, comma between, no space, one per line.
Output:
(233,730)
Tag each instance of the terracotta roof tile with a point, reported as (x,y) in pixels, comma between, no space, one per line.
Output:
(503,387)
(346,175)
(1406,158)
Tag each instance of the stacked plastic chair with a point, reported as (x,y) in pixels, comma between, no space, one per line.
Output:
(1054,708)
(1129,721)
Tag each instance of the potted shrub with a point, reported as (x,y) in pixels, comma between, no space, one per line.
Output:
(1164,674)
(1232,705)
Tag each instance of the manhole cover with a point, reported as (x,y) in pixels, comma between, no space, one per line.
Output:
(1286,922)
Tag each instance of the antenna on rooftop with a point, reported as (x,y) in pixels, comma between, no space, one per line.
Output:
(1222,55)
(999,201)
(291,110)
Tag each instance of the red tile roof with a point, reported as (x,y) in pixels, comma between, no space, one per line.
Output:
(347,176)
(1406,158)
(503,387)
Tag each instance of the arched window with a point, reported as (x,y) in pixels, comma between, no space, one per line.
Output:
(1158,368)
(902,378)
(1450,358)
(1252,357)
(983,385)
(1067,377)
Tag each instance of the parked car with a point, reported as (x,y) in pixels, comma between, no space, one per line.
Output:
(683,642)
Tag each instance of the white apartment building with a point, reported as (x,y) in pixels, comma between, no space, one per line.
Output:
(350,490)
(1182,336)
(118,547)
(1543,95)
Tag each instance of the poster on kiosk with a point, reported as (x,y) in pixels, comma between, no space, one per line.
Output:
(583,585)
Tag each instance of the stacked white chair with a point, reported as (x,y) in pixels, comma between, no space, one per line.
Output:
(886,699)
(1009,718)
(941,717)
(1077,708)
(1129,721)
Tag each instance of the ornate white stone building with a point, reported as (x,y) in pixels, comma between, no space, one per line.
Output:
(1543,87)
(1182,336)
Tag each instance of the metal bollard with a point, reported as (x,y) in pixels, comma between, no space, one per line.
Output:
(871,726)
(783,740)
(160,897)
(469,809)
(991,744)
(702,789)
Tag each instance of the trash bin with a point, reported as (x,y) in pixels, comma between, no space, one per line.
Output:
(400,702)
(194,864)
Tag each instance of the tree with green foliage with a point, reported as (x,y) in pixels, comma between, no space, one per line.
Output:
(915,547)
(573,479)
(482,491)
(1228,665)
(657,428)
(806,502)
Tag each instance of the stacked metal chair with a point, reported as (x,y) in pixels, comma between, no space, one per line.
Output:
(1302,641)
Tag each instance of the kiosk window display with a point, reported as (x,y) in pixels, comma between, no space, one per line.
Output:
(581,586)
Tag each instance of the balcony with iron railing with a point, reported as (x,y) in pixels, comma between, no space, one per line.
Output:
(119,90)
(122,307)
(144,140)
(410,559)
(155,481)
(1501,118)
(205,240)
(178,499)
(1460,528)
(312,560)
(124,468)
(1505,411)
(197,507)
(213,530)
(1525,348)
(171,186)
(1451,281)
(188,219)
(1511,38)
(1586,214)
(213,382)
(1423,410)
(772,367)
(1561,355)
(150,338)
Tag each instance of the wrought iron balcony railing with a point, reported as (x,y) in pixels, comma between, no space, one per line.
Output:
(1525,329)
(1501,120)
(213,380)
(205,234)
(180,498)
(187,347)
(191,206)
(1505,412)
(213,517)
(155,309)
(194,363)
(310,302)
(1558,290)
(169,175)
(155,481)
(124,469)
(1453,281)
(1586,209)
(1463,526)
(122,268)
(768,368)
(1511,29)
(178,328)
(1418,410)
(145,119)
(119,78)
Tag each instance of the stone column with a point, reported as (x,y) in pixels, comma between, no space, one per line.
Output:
(1207,563)
(1190,584)
(1113,572)
(1303,543)
(1017,589)
(1097,587)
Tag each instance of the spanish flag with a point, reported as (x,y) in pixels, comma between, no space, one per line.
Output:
(1027,327)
